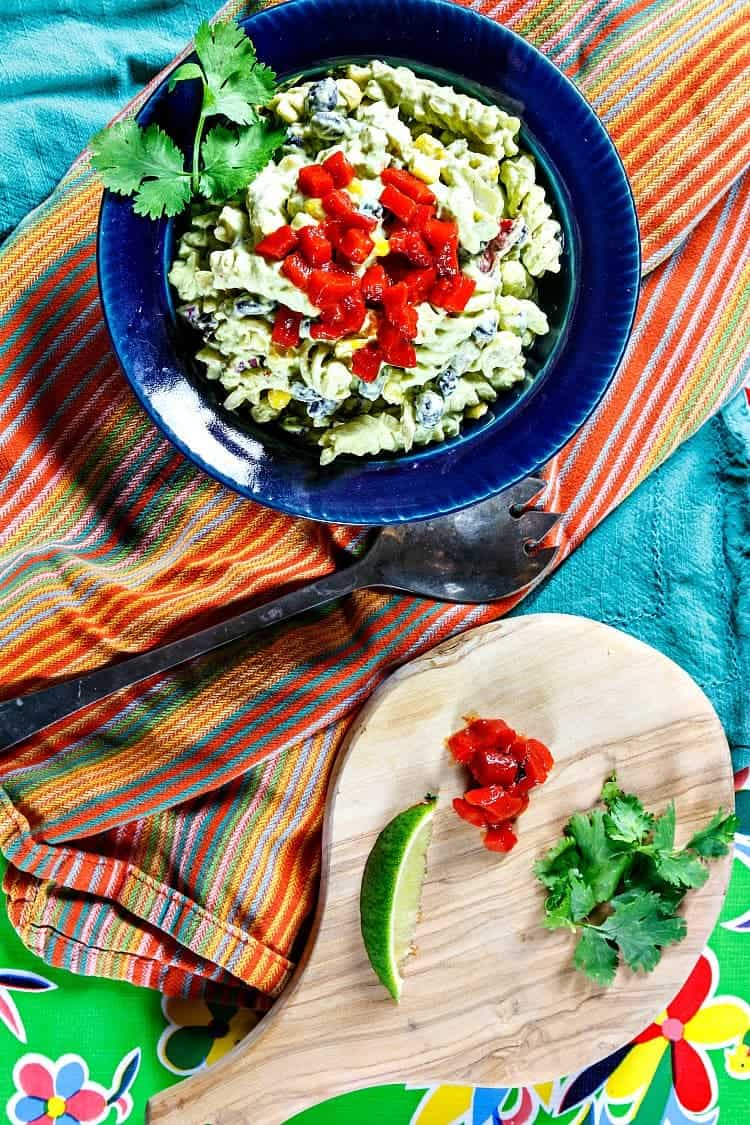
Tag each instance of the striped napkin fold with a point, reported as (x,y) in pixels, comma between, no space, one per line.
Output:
(170,836)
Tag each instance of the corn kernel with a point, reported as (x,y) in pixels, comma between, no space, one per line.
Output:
(382,247)
(430,146)
(315,208)
(278,399)
(355,187)
(286,111)
(425,168)
(494,172)
(477,411)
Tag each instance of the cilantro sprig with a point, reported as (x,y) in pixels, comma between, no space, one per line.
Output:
(147,164)
(616,880)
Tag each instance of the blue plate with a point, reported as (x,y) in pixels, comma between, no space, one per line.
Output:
(590,304)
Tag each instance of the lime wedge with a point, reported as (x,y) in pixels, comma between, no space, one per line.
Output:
(391,891)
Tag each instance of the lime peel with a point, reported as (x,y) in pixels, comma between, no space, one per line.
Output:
(391,892)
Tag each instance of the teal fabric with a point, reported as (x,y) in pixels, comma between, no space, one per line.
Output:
(670,566)
(66,68)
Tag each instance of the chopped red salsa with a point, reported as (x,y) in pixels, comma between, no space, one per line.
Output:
(419,262)
(505,766)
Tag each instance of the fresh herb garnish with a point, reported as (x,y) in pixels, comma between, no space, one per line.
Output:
(617,880)
(147,164)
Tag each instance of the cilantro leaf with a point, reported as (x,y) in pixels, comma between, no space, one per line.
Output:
(611,790)
(627,820)
(557,862)
(716,838)
(596,957)
(681,869)
(231,160)
(582,900)
(184,73)
(603,863)
(643,876)
(143,162)
(235,82)
(664,827)
(641,930)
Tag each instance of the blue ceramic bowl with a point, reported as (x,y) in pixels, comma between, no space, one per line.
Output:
(590,304)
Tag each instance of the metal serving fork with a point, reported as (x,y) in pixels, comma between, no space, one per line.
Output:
(479,554)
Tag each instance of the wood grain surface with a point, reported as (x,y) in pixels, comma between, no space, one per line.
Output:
(491,998)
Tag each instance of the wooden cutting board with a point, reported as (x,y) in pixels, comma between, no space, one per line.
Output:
(491,998)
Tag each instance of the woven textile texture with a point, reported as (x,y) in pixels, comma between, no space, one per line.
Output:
(124,827)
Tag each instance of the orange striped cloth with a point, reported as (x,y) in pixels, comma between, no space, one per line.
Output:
(170,836)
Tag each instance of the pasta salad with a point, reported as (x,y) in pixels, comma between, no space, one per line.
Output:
(376,284)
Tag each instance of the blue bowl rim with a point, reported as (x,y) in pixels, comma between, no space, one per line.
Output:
(546,449)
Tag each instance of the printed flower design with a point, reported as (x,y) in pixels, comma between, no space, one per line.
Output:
(200,1033)
(18,980)
(742,853)
(468,1105)
(696,1019)
(695,1022)
(55,1093)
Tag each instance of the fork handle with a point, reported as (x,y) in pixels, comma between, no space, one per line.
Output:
(28,714)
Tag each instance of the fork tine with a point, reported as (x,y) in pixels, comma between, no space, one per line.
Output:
(536,524)
(524,490)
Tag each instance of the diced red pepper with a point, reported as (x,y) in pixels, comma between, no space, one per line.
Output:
(407,184)
(314,245)
(452,293)
(297,270)
(439,231)
(517,748)
(493,767)
(461,746)
(339,319)
(356,245)
(491,733)
(366,363)
(339,169)
(286,324)
(486,795)
(506,807)
(395,348)
(411,244)
(277,244)
(519,794)
(338,205)
(469,813)
(442,237)
(422,215)
(314,180)
(398,204)
(539,750)
(525,783)
(374,283)
(500,839)
(537,761)
(327,287)
(395,298)
(419,283)
(354,311)
(329,327)
(399,311)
